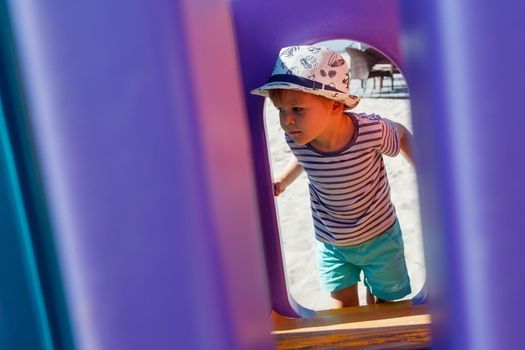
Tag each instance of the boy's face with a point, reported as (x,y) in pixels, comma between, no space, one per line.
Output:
(303,116)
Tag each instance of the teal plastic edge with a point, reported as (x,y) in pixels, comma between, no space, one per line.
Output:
(23,317)
(24,195)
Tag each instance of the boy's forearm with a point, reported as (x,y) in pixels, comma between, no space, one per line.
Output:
(406,140)
(291,172)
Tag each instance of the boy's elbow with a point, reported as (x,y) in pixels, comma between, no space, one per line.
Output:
(401,131)
(405,138)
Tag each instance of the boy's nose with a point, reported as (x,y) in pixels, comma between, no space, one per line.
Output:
(287,118)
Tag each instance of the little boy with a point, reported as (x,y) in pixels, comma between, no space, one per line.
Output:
(355,221)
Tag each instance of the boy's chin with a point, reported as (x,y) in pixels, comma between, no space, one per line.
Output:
(300,140)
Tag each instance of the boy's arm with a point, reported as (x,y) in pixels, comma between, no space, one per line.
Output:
(406,140)
(290,173)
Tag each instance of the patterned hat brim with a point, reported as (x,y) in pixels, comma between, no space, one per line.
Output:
(349,100)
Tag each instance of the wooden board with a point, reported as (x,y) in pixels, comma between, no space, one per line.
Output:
(399,325)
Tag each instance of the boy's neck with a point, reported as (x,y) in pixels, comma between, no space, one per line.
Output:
(336,136)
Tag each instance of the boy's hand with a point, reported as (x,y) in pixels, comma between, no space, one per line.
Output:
(278,188)
(292,171)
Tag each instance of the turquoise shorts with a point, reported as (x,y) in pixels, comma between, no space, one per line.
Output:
(382,260)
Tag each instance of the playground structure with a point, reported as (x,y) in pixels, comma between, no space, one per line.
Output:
(137,204)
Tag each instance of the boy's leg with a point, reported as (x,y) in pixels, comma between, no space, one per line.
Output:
(345,297)
(372,299)
(386,273)
(338,276)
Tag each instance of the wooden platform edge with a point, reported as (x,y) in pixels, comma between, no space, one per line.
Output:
(399,325)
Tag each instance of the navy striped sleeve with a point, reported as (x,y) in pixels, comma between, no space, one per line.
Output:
(390,143)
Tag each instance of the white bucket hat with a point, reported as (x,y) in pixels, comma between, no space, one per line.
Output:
(312,69)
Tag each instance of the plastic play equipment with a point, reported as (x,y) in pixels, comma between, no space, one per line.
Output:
(131,217)
(151,207)
(469,184)
(261,32)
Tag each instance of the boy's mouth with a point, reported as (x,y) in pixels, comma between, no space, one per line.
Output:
(294,132)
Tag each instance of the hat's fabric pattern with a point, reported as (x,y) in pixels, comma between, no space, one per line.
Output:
(312,69)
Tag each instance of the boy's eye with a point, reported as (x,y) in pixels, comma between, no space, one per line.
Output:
(295,109)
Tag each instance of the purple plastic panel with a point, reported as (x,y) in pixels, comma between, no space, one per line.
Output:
(464,63)
(143,143)
(263,27)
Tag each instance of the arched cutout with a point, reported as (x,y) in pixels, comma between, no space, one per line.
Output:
(293,207)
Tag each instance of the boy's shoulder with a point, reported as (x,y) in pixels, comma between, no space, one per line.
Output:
(365,116)
(364,119)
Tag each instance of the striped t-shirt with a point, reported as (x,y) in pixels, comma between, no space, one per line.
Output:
(349,191)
